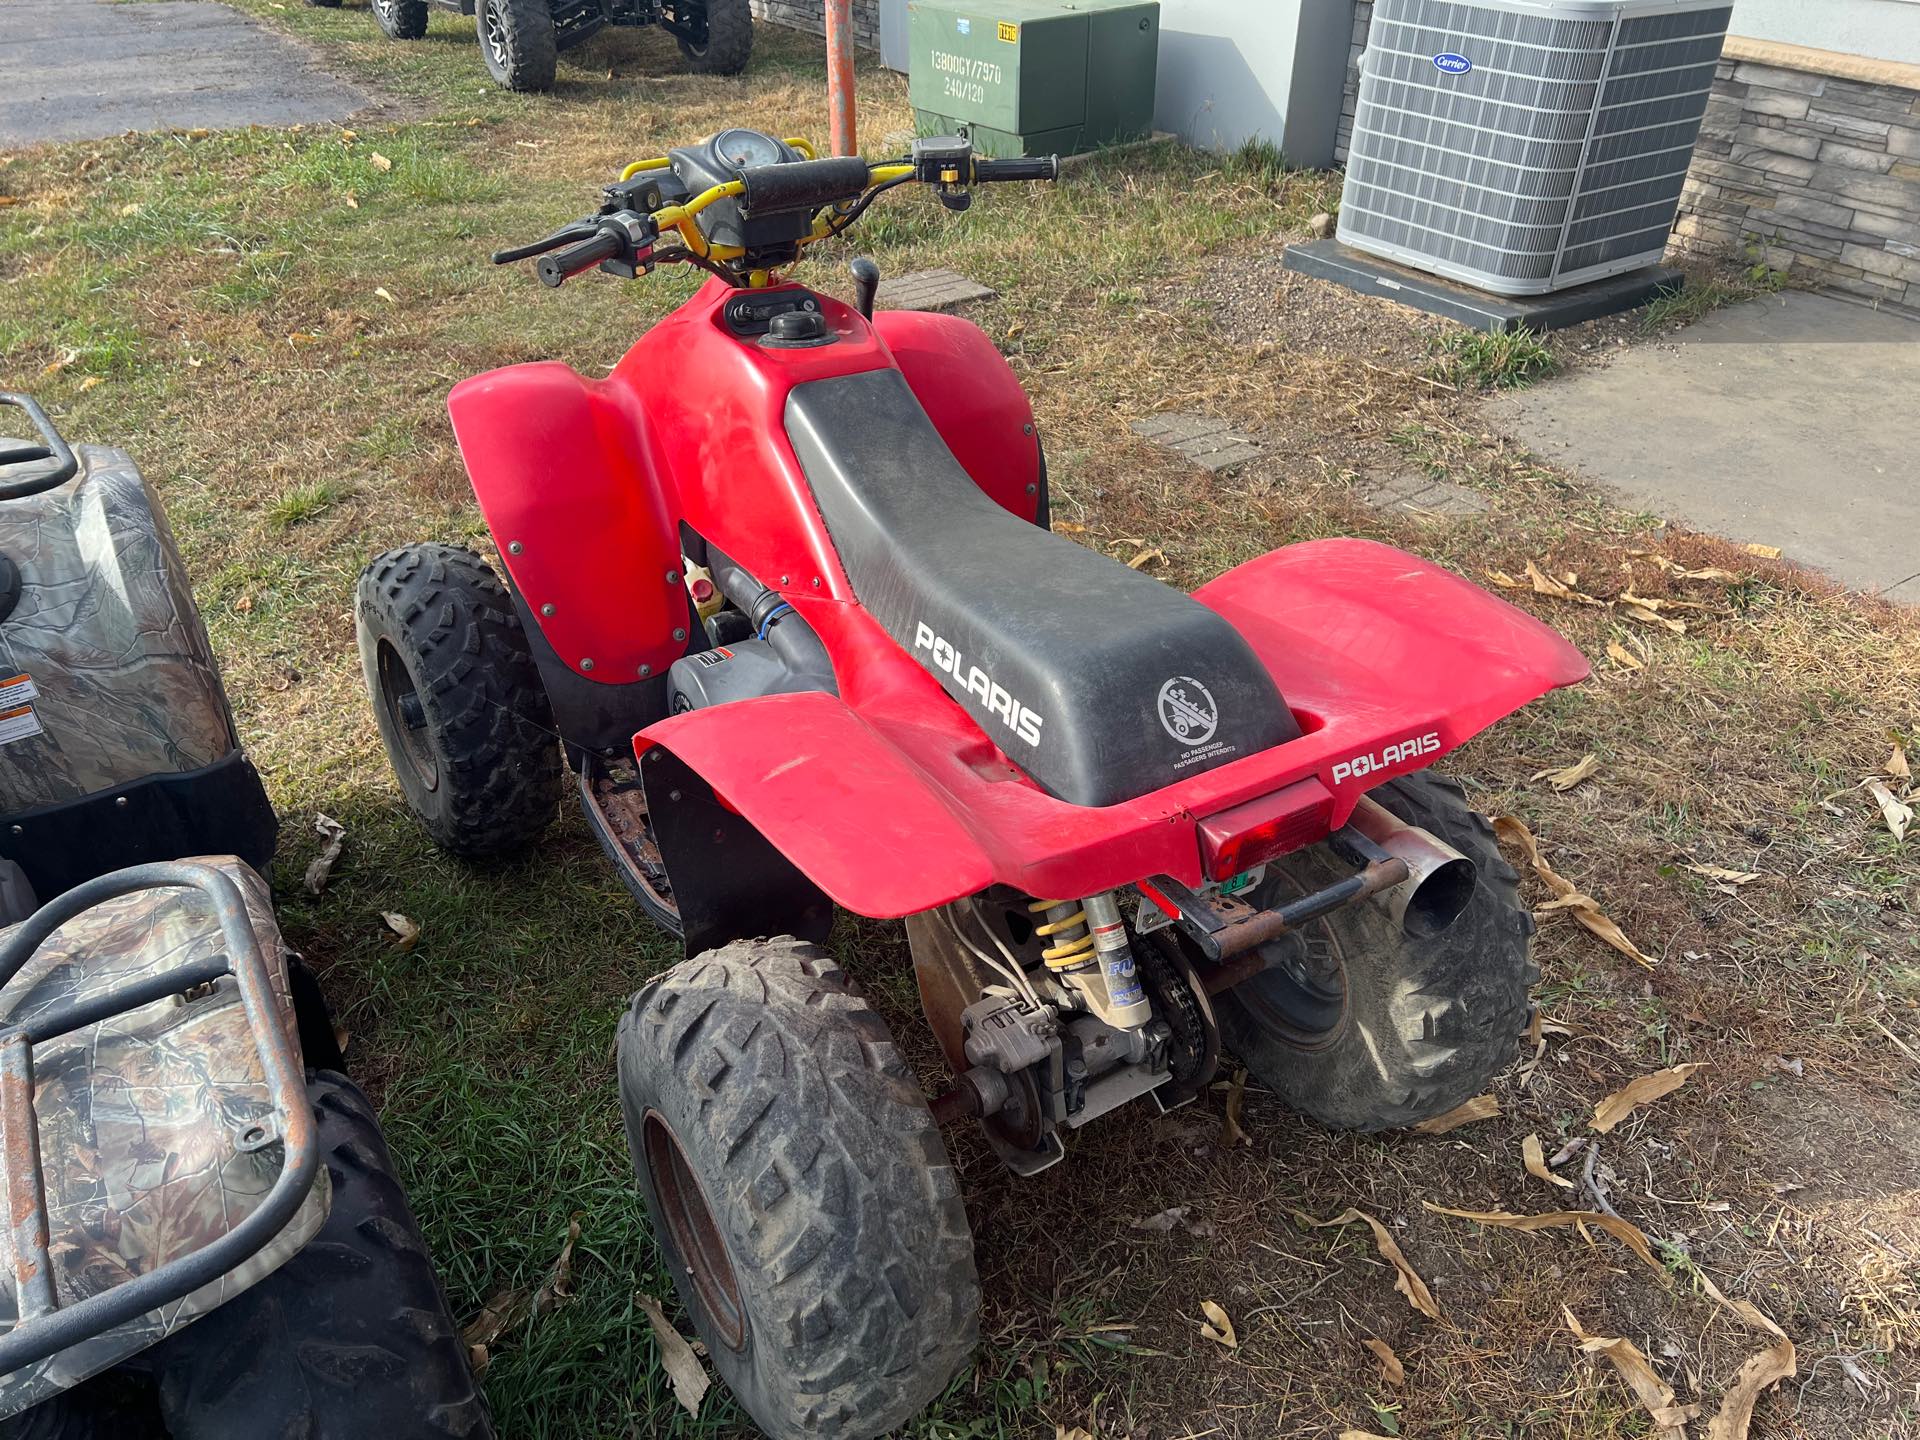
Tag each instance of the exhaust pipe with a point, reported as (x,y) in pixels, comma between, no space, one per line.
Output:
(1440,880)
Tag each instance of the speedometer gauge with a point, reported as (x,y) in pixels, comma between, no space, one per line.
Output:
(743,149)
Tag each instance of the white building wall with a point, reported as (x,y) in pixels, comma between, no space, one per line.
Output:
(1878,29)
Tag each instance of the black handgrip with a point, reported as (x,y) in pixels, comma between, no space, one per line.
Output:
(561,264)
(566,233)
(1037,167)
(55,448)
(803,184)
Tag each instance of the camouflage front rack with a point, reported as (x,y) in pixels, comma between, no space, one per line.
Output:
(45,1327)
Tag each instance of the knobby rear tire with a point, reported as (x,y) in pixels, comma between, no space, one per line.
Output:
(532,51)
(814,1153)
(1427,1022)
(401,19)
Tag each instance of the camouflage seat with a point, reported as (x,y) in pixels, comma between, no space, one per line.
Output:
(144,1119)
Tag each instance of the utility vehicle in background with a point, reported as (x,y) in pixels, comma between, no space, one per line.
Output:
(206,1240)
(521,40)
(784,586)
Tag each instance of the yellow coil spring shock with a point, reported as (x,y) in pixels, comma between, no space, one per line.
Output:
(1067,920)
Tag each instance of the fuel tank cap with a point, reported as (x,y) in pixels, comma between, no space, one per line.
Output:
(796,330)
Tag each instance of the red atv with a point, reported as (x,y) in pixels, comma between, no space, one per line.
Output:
(783,587)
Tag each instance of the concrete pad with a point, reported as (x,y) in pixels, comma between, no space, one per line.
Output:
(1209,443)
(85,69)
(1421,494)
(1792,420)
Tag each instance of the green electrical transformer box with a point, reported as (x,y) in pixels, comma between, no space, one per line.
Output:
(1027,77)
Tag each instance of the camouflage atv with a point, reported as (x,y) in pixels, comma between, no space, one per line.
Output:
(205,1238)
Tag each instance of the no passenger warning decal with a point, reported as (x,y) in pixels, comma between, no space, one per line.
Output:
(18,721)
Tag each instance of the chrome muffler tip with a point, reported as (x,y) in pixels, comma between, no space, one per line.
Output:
(1440,880)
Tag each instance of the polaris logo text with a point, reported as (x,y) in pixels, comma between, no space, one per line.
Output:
(1388,755)
(1016,717)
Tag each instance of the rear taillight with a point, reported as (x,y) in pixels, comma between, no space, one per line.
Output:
(1234,841)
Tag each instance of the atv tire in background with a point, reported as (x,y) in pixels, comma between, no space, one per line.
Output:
(1365,1027)
(729,39)
(118,1405)
(350,1339)
(325,4)
(799,1189)
(458,700)
(517,42)
(401,19)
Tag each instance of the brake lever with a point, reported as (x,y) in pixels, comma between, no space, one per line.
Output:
(565,235)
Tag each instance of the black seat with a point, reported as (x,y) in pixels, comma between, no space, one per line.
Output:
(1101,683)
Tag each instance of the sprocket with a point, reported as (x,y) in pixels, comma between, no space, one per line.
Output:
(1193,1054)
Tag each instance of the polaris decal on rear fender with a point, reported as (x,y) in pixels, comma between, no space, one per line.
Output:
(1010,712)
(1387,755)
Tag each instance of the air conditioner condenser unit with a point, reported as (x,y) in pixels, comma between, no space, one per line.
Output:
(1527,146)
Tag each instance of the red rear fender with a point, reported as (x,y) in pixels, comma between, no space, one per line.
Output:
(564,472)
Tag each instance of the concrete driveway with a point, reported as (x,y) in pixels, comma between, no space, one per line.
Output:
(82,69)
(1792,420)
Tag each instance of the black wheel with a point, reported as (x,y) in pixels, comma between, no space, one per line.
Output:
(724,37)
(350,1338)
(401,19)
(1365,1028)
(117,1405)
(799,1189)
(325,4)
(517,42)
(458,699)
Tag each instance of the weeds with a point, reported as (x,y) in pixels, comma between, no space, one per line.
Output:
(1481,360)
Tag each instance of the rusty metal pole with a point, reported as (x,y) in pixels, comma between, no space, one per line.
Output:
(839,16)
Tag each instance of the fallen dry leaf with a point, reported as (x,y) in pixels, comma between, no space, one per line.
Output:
(1481,1107)
(558,1286)
(1165,1220)
(1391,1370)
(1653,1393)
(303,337)
(88,383)
(1624,657)
(1720,872)
(385,294)
(1146,557)
(1231,1134)
(1624,1231)
(1361,1435)
(1898,815)
(353,201)
(1559,587)
(683,1367)
(1897,765)
(1062,1432)
(1637,610)
(1409,1282)
(1772,1365)
(1571,775)
(1068,527)
(379,162)
(322,864)
(1765,552)
(1583,908)
(406,932)
(1644,1091)
(1217,1327)
(1505,581)
(1535,1159)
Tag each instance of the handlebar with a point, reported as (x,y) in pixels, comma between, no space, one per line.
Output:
(561,265)
(1039,167)
(803,184)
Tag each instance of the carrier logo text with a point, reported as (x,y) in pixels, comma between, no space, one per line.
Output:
(1016,717)
(1387,755)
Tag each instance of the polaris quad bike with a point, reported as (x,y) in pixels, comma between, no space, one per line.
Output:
(205,1238)
(783,587)
(521,39)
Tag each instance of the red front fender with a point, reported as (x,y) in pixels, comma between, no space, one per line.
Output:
(565,474)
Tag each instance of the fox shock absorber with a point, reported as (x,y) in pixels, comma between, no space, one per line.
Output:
(1089,949)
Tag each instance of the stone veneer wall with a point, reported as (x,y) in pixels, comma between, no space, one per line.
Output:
(811,15)
(1816,173)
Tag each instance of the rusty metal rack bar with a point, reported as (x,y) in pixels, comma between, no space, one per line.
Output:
(45,1327)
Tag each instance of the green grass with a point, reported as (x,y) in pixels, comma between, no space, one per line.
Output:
(1482,360)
